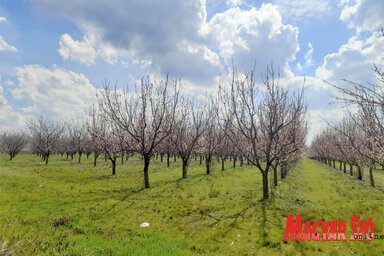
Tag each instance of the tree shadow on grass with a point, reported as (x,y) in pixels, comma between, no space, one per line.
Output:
(124,198)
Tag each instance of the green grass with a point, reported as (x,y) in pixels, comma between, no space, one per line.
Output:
(67,208)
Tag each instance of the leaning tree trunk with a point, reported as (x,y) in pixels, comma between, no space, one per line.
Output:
(371,179)
(95,156)
(359,173)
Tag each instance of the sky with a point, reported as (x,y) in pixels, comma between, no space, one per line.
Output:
(54,55)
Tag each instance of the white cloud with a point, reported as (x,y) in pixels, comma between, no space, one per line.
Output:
(3,100)
(354,60)
(87,51)
(234,3)
(82,52)
(5,47)
(177,37)
(253,35)
(308,56)
(299,9)
(55,92)
(10,118)
(134,31)
(320,117)
(299,67)
(364,15)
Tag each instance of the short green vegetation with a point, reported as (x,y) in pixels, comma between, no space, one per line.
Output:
(66,208)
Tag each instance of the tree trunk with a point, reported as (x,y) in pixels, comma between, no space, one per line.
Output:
(234,162)
(201,159)
(340,165)
(113,161)
(185,169)
(345,167)
(161,158)
(222,164)
(371,179)
(46,159)
(168,156)
(351,169)
(79,157)
(122,159)
(359,173)
(265,185)
(241,162)
(174,158)
(146,167)
(283,171)
(208,164)
(95,156)
(275,176)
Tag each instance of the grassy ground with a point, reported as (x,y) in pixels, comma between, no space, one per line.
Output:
(70,209)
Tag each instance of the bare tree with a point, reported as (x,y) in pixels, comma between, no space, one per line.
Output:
(106,137)
(147,115)
(258,113)
(77,139)
(224,150)
(212,137)
(45,135)
(13,142)
(190,122)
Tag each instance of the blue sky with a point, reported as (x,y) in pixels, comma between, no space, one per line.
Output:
(54,54)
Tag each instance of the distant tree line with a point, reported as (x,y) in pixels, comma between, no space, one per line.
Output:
(356,142)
